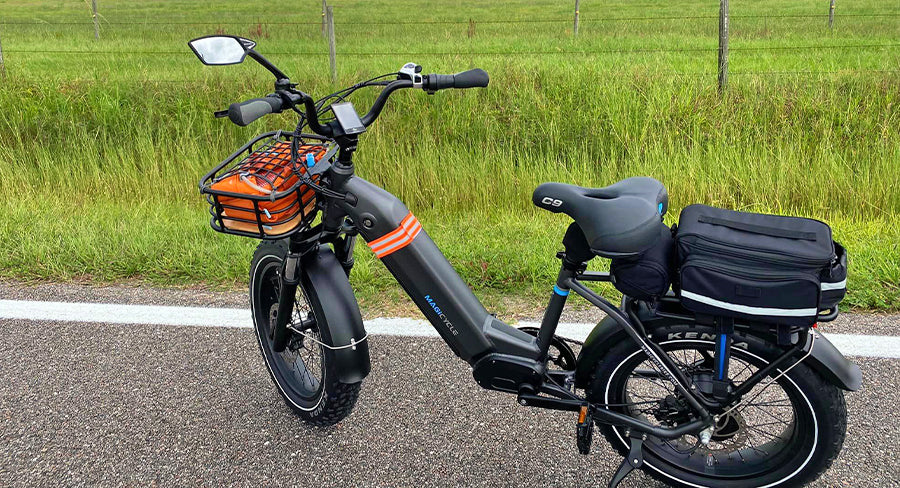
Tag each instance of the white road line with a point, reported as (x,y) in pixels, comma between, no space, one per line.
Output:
(851,345)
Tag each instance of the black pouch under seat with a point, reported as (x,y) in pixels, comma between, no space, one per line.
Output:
(765,268)
(648,275)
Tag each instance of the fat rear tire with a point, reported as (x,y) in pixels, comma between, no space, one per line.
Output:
(812,458)
(331,401)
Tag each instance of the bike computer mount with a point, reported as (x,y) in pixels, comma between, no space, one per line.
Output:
(347,119)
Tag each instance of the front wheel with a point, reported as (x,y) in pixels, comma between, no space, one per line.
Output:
(784,434)
(303,371)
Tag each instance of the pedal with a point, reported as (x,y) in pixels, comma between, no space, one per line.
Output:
(634,460)
(584,430)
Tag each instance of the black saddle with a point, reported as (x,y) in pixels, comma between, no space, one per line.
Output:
(617,220)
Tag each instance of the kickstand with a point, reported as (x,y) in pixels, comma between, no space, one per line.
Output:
(634,460)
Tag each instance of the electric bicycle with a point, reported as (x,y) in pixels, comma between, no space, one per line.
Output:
(692,398)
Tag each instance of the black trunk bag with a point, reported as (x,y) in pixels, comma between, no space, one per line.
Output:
(649,275)
(763,268)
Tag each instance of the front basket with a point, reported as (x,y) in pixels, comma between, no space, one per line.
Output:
(262,189)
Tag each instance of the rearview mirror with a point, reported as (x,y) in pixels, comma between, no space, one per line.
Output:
(221,50)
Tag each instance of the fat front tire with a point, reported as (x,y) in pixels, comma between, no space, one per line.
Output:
(784,435)
(304,372)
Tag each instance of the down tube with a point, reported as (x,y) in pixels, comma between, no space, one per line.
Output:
(412,257)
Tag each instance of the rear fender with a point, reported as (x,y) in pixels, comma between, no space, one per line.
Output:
(329,290)
(825,358)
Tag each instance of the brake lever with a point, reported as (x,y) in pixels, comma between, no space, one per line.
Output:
(220,114)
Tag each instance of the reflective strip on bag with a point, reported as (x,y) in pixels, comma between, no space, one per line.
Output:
(746,309)
(840,285)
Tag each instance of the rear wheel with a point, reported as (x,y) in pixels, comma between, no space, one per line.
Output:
(783,434)
(302,372)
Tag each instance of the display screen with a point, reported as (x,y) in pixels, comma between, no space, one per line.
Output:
(348,118)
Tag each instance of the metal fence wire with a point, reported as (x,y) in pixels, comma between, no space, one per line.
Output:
(103,21)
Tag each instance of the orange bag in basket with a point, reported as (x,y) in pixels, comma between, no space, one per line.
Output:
(262,174)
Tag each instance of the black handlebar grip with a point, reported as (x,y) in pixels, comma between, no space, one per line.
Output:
(435,82)
(245,112)
(474,78)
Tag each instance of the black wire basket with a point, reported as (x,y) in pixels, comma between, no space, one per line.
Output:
(262,189)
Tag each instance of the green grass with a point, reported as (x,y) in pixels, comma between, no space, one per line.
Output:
(100,153)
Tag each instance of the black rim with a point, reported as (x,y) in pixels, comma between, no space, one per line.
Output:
(300,368)
(764,434)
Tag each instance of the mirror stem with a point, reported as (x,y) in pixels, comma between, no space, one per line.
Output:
(267,64)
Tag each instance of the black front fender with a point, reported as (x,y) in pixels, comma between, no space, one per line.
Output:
(825,358)
(329,290)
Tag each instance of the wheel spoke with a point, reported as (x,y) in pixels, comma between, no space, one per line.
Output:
(750,437)
(300,364)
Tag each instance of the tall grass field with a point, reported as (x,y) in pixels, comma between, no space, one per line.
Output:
(103,141)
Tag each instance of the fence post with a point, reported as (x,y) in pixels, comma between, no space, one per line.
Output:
(577,4)
(2,66)
(332,54)
(96,20)
(324,29)
(831,15)
(723,45)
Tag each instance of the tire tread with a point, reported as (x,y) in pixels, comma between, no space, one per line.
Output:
(339,398)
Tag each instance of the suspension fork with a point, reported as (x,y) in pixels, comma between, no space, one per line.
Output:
(343,248)
(290,279)
(332,222)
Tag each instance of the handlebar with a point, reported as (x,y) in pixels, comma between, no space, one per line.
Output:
(243,113)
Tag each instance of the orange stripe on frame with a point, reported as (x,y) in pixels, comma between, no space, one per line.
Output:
(398,238)
(403,231)
(391,234)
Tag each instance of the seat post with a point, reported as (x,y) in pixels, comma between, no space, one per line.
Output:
(554,310)
(574,260)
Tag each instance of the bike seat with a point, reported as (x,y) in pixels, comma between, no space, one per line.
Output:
(618,220)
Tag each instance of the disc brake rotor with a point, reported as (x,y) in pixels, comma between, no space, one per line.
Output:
(729,435)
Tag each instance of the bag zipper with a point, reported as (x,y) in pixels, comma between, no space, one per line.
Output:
(793,258)
(742,272)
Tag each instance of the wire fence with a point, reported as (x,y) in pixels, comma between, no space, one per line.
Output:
(477,53)
(457,21)
(487,53)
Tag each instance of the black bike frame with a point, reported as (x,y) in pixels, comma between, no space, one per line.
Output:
(418,265)
(502,357)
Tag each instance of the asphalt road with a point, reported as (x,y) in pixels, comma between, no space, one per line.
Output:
(95,404)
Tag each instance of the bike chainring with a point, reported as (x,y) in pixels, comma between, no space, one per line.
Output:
(560,354)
